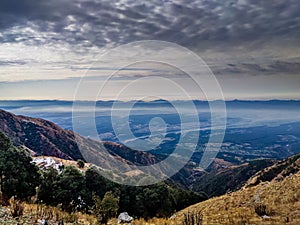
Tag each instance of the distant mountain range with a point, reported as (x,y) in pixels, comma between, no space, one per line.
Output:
(157,101)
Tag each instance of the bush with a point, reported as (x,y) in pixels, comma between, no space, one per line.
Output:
(260,209)
(80,163)
(17,208)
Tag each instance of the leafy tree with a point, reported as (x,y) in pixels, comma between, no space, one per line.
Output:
(18,176)
(47,190)
(107,208)
(110,204)
(71,190)
(184,198)
(98,184)
(155,200)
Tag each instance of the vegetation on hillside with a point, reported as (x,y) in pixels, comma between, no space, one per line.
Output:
(69,194)
(18,177)
(216,183)
(73,190)
(278,171)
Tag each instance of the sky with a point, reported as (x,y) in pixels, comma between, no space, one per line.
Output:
(49,48)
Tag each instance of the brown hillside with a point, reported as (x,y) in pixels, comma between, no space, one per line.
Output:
(45,138)
(269,203)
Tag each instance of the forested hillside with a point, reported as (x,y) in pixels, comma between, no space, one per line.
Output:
(88,192)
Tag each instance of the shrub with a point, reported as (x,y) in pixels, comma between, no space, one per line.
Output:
(80,163)
(260,209)
(17,208)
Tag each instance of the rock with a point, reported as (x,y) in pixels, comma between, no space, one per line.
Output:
(42,222)
(124,218)
(173,217)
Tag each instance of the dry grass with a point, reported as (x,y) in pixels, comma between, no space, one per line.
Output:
(153,221)
(54,214)
(65,162)
(33,213)
(280,200)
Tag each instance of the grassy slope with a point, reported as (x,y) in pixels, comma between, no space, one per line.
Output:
(281,198)
(34,214)
(277,188)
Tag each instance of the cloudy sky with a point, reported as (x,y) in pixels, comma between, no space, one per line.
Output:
(46,47)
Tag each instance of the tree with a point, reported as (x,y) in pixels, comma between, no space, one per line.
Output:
(155,200)
(18,176)
(98,184)
(71,189)
(107,208)
(47,190)
(80,163)
(159,200)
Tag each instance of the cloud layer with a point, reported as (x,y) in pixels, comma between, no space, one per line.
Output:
(186,22)
(52,40)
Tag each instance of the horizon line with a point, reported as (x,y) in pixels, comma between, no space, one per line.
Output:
(152,100)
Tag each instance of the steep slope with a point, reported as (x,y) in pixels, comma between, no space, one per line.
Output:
(46,138)
(275,202)
(278,171)
(41,136)
(219,181)
(271,196)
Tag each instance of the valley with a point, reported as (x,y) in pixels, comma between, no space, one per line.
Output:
(249,155)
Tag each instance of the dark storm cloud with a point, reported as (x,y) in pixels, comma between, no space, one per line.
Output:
(187,22)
